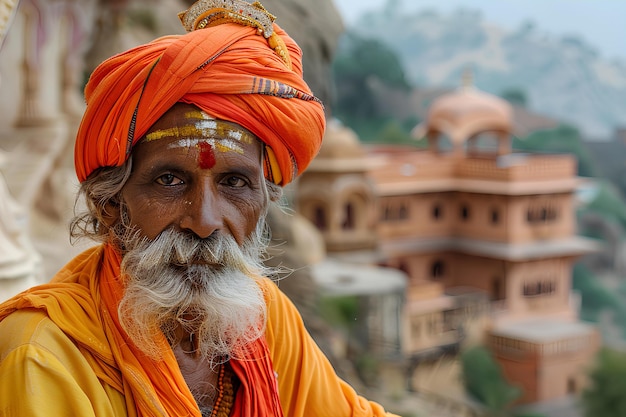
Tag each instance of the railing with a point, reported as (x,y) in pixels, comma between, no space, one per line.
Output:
(417,167)
(510,167)
(518,167)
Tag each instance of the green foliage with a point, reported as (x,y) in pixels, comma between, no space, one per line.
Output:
(515,96)
(340,311)
(361,58)
(617,175)
(609,203)
(393,132)
(483,379)
(563,139)
(605,395)
(362,68)
(595,297)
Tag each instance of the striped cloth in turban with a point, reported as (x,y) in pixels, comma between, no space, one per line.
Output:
(229,71)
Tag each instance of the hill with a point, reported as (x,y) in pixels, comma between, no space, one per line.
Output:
(562,77)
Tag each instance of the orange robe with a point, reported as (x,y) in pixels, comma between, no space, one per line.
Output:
(60,355)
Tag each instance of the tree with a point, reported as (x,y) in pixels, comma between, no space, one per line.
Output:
(483,380)
(562,139)
(361,68)
(605,395)
(608,203)
(595,297)
(515,96)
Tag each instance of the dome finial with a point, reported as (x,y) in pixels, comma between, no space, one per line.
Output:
(467,79)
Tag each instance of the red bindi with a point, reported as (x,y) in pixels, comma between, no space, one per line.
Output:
(206,157)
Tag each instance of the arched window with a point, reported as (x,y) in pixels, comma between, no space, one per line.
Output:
(403,212)
(437,269)
(348,217)
(386,214)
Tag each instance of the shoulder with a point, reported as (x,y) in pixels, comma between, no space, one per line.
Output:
(284,324)
(28,327)
(275,299)
(36,356)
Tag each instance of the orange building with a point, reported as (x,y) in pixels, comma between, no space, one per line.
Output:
(480,231)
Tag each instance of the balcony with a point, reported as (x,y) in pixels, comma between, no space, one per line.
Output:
(518,167)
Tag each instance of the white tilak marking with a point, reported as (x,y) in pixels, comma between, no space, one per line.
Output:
(235,134)
(219,144)
(204,125)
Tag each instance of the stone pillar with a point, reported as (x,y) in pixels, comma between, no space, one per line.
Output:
(35,32)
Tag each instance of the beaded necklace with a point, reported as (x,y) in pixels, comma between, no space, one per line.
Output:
(225,393)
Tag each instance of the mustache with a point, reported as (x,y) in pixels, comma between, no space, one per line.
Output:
(177,249)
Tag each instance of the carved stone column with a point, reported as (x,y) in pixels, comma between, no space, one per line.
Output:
(35,33)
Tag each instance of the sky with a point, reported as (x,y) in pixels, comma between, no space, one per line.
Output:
(601,23)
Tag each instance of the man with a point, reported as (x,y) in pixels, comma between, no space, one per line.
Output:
(184,143)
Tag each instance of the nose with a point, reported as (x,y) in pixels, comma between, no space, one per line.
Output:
(202,215)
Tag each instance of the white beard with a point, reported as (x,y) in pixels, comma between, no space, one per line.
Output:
(203,285)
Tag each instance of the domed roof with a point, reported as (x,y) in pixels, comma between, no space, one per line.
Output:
(466,112)
(340,142)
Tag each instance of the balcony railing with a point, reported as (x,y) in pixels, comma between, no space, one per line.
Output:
(518,167)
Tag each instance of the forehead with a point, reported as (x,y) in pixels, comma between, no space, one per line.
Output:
(186,126)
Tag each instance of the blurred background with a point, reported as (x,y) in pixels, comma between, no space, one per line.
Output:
(458,244)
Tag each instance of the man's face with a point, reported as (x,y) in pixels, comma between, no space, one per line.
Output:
(191,208)
(195,175)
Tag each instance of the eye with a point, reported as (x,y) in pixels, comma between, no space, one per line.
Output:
(169,180)
(235,182)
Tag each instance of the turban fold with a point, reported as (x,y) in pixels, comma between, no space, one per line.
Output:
(229,71)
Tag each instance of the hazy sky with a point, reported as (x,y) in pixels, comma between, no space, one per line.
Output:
(601,23)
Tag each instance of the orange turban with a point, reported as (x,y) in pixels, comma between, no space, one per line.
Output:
(229,71)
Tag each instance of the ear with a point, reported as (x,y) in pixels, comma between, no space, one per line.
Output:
(275,191)
(111,213)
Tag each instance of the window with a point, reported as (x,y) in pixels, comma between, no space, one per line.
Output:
(319,218)
(437,212)
(386,214)
(348,217)
(496,289)
(465,212)
(495,216)
(395,211)
(403,212)
(543,211)
(571,386)
(544,287)
(437,269)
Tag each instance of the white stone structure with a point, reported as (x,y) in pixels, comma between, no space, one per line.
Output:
(41,51)
(20,264)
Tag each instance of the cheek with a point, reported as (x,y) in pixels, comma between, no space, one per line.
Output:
(151,218)
(250,212)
